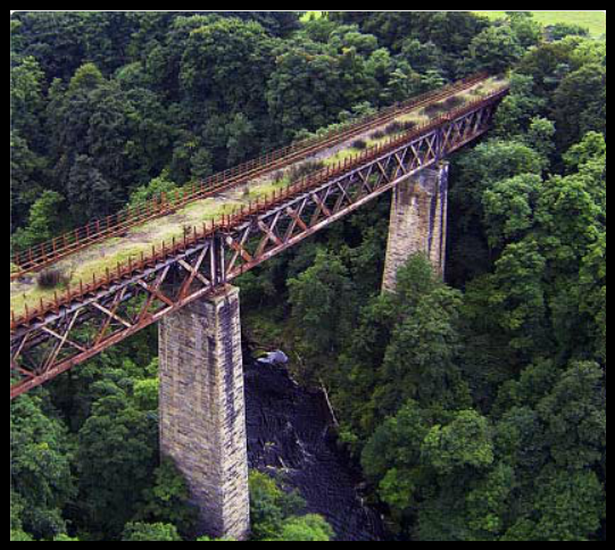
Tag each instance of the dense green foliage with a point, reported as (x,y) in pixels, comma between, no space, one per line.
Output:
(277,514)
(476,408)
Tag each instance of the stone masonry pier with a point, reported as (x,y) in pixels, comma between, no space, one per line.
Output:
(418,222)
(202,410)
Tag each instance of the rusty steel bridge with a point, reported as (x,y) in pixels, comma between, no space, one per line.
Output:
(52,336)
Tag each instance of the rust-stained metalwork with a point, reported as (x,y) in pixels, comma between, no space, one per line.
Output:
(95,316)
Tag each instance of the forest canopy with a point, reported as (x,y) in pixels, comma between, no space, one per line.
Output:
(475,407)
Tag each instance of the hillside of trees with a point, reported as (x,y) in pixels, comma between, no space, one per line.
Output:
(475,407)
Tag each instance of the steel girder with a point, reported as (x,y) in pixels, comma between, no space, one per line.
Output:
(42,350)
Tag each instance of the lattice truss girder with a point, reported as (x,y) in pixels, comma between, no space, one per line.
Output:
(72,335)
(41,351)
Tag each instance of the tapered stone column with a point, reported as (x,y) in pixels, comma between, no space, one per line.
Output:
(418,222)
(202,410)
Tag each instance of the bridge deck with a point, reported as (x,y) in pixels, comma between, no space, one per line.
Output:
(94,260)
(89,317)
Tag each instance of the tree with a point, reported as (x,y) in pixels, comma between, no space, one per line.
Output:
(547,64)
(420,360)
(44,221)
(559,31)
(488,503)
(155,188)
(392,457)
(86,78)
(20,536)
(519,107)
(155,532)
(241,139)
(574,413)
(91,126)
(566,508)
(17,507)
(464,443)
(225,65)
(480,170)
(89,192)
(65,538)
(167,501)
(509,208)
(495,49)
(527,31)
(309,528)
(540,136)
(421,56)
(305,89)
(27,175)
(490,162)
(588,52)
(519,303)
(592,282)
(27,101)
(271,506)
(116,458)
(591,148)
(322,300)
(579,104)
(42,482)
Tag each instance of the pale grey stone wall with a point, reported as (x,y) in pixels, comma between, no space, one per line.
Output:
(202,410)
(418,221)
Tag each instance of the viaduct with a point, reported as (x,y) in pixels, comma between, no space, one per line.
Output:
(183,285)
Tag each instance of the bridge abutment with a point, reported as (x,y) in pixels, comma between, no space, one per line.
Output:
(202,410)
(418,222)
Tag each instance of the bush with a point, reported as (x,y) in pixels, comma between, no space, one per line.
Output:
(408,125)
(51,278)
(359,144)
(278,176)
(433,109)
(394,127)
(378,134)
(305,169)
(453,102)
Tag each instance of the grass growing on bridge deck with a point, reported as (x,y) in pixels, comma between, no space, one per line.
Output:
(96,259)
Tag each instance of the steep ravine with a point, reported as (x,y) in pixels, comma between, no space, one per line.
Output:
(290,434)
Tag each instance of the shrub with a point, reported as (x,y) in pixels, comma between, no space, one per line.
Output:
(433,109)
(394,127)
(408,125)
(359,144)
(278,176)
(454,101)
(305,169)
(51,278)
(378,134)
